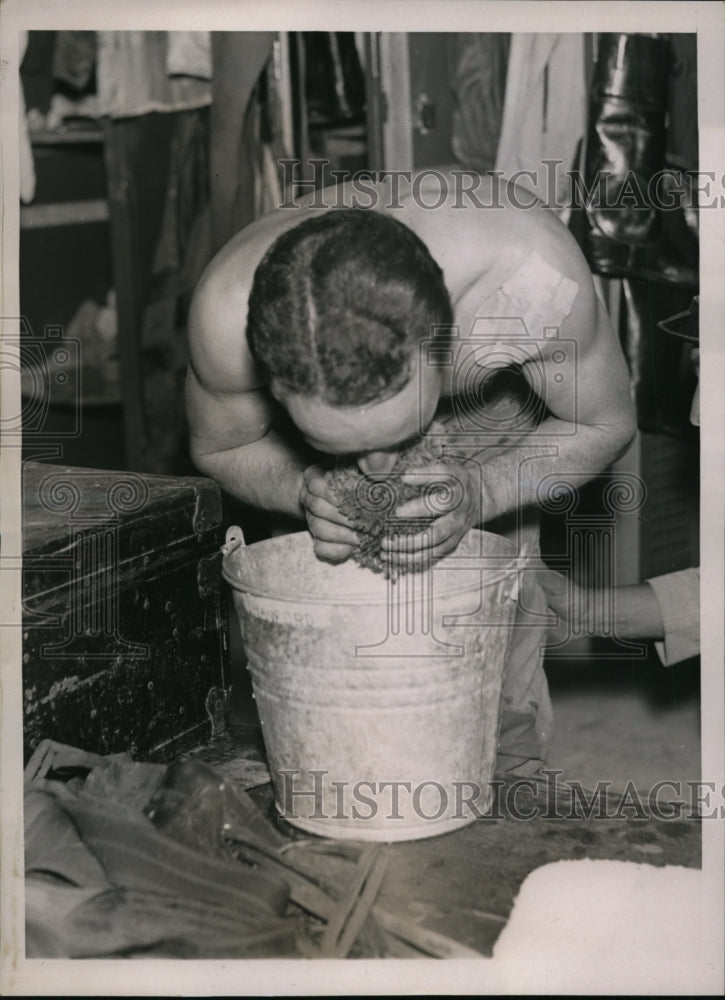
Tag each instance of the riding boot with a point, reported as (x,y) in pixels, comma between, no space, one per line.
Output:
(625,147)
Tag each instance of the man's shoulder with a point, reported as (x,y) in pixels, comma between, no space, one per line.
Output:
(217,320)
(476,230)
(231,270)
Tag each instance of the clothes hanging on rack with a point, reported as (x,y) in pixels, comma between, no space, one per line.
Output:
(682,137)
(74,58)
(25,152)
(638,115)
(544,114)
(641,124)
(625,145)
(661,390)
(478,83)
(188,53)
(132,76)
(334,81)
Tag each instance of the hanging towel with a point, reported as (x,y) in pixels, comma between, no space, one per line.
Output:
(478,85)
(188,53)
(544,113)
(133,78)
(27,167)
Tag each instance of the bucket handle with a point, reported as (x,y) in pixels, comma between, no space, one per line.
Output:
(234,540)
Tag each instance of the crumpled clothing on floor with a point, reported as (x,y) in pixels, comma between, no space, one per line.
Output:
(137,859)
(103,880)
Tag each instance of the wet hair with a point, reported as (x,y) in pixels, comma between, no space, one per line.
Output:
(339,304)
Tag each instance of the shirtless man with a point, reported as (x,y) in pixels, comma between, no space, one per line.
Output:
(331,364)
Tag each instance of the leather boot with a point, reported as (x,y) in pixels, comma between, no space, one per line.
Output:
(625,146)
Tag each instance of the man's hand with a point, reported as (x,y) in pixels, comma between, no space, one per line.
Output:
(567,599)
(630,612)
(573,604)
(332,534)
(453,495)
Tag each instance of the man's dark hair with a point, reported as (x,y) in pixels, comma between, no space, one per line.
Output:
(339,304)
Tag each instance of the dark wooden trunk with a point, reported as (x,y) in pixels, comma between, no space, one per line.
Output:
(124,618)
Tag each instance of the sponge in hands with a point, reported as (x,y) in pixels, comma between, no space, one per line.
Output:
(370,502)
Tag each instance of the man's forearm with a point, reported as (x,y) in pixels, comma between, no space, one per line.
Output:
(570,453)
(265,474)
(630,612)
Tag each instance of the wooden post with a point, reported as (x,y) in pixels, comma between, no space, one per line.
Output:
(121,139)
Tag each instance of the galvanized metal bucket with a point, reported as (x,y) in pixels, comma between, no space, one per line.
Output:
(379,701)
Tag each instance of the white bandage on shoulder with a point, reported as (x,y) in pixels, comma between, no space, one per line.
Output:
(537,293)
(533,291)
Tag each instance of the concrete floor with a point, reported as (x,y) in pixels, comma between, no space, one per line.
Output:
(625,721)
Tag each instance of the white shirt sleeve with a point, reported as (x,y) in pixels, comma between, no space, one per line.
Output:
(678,595)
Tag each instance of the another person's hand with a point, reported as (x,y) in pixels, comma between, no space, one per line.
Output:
(453,495)
(333,537)
(628,612)
(571,602)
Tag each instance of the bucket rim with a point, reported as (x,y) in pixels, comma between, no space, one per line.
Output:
(512,564)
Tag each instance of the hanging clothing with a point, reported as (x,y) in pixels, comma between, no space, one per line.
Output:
(133,77)
(642,122)
(188,53)
(544,115)
(682,135)
(478,84)
(74,58)
(25,150)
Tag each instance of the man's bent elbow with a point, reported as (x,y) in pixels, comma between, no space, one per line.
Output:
(624,432)
(205,462)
